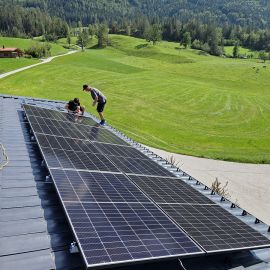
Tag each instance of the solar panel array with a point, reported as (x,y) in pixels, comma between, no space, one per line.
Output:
(113,221)
(118,200)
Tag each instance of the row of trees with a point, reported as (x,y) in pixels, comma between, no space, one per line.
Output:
(204,37)
(207,37)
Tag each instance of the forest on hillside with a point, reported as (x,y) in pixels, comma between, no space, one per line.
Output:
(208,25)
(253,13)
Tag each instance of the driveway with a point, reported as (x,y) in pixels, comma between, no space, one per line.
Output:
(43,61)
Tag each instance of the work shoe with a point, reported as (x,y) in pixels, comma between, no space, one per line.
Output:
(102,122)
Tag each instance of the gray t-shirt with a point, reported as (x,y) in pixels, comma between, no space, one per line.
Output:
(96,93)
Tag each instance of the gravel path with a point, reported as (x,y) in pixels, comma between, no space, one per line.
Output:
(43,61)
(248,184)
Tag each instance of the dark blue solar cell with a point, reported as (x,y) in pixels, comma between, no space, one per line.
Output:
(120,250)
(121,257)
(114,245)
(159,253)
(135,249)
(92,246)
(98,260)
(141,255)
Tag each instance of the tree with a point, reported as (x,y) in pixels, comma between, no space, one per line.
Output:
(214,36)
(83,39)
(263,56)
(92,30)
(153,34)
(68,40)
(186,41)
(236,51)
(103,35)
(128,30)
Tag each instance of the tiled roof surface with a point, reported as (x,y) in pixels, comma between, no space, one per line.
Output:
(34,233)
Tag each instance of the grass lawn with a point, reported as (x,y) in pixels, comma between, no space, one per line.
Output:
(166,97)
(8,64)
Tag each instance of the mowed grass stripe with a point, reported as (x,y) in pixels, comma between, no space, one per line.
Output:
(211,107)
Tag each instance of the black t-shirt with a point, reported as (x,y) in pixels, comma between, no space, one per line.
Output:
(72,105)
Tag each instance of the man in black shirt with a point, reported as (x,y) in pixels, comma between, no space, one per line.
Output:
(99,99)
(74,106)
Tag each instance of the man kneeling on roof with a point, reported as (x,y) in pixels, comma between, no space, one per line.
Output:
(74,106)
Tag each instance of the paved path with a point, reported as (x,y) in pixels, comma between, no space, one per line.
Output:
(248,184)
(43,61)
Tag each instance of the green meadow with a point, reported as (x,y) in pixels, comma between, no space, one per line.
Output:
(242,51)
(10,64)
(166,97)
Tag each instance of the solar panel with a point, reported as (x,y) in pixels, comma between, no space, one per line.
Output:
(71,130)
(169,190)
(56,115)
(96,187)
(79,160)
(120,151)
(215,229)
(102,135)
(68,144)
(111,233)
(139,166)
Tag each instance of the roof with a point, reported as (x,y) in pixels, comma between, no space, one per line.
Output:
(8,49)
(33,226)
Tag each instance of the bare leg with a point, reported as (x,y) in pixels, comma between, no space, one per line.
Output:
(101,116)
(82,108)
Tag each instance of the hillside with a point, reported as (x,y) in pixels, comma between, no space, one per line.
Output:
(166,97)
(253,13)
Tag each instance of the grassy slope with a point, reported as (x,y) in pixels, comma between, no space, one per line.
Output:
(166,97)
(10,64)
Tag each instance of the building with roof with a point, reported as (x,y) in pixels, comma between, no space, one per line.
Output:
(34,230)
(10,52)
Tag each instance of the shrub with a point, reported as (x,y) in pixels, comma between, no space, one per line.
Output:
(39,50)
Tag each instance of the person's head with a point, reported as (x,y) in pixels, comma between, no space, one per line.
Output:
(76,100)
(86,88)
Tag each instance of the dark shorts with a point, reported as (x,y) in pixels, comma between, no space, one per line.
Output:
(72,108)
(100,106)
